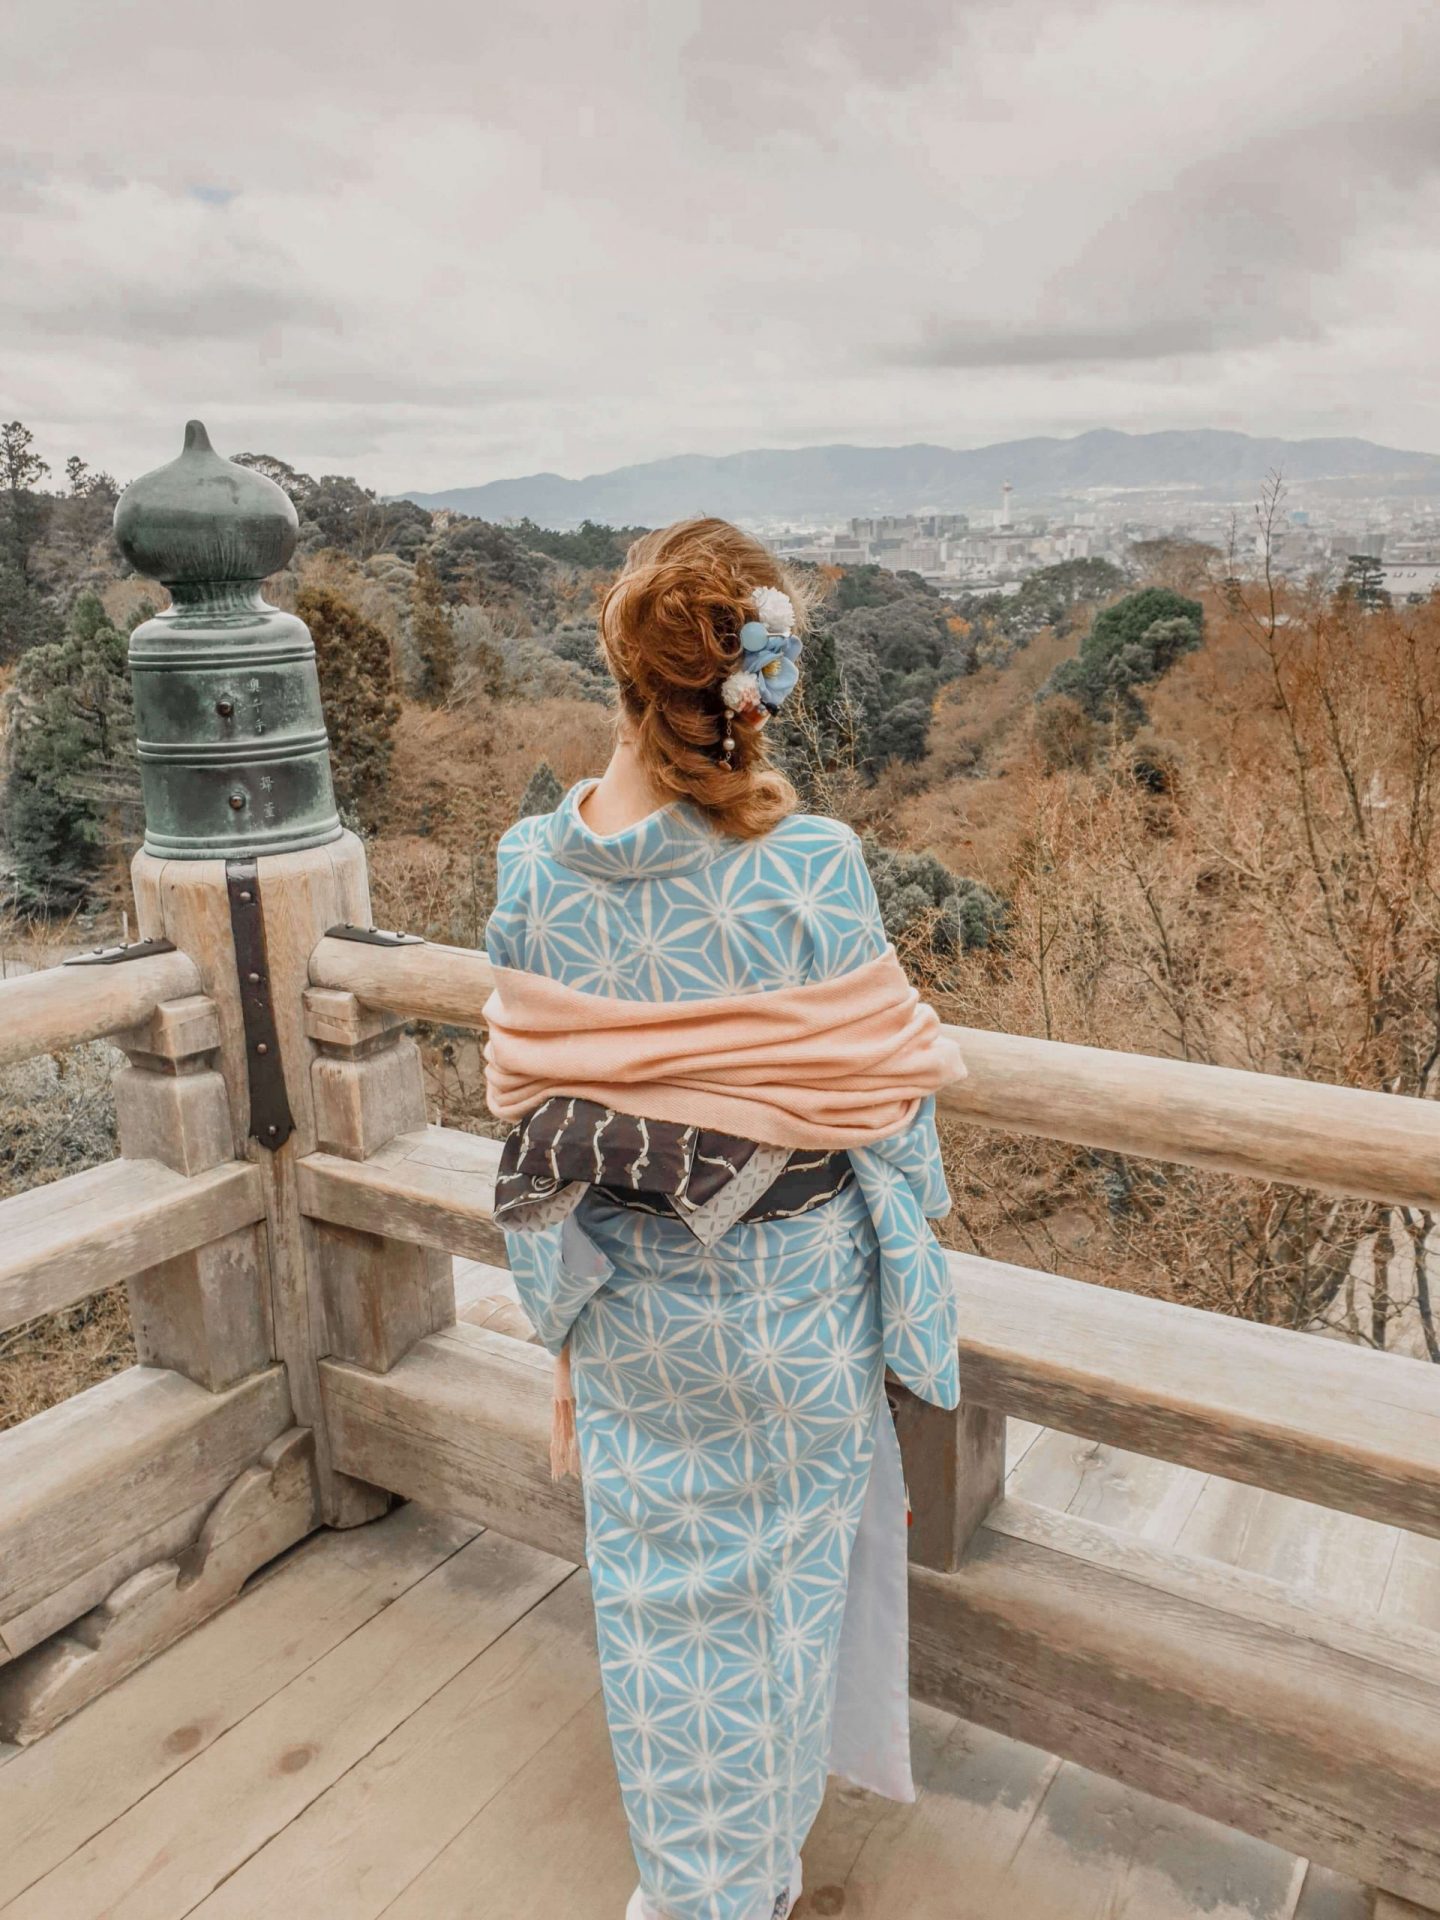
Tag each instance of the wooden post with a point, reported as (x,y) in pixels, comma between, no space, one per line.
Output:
(380,1295)
(300,895)
(205,1314)
(954,1470)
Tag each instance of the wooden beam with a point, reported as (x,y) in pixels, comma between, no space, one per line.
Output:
(1205,1685)
(62,1242)
(461,1423)
(1339,1425)
(423,982)
(117,1461)
(1376,1146)
(1208,1687)
(433,1186)
(61,1006)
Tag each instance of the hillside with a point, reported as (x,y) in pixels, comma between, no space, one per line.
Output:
(830,483)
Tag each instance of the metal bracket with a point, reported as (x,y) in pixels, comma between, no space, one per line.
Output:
(271,1122)
(113,956)
(374,937)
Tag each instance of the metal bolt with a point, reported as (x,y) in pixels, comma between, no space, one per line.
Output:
(237,801)
(225,708)
(261,1047)
(272,1129)
(253,978)
(246,898)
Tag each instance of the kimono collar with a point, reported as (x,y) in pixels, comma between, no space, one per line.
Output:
(675,839)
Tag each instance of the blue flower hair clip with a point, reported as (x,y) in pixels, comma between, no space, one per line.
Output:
(769,664)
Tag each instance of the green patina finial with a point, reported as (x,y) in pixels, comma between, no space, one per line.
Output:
(234,758)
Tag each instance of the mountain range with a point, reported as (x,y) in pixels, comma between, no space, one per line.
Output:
(822,484)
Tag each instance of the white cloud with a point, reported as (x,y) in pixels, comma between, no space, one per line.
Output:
(437,244)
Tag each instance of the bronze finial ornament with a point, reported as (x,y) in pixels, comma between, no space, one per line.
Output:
(234,758)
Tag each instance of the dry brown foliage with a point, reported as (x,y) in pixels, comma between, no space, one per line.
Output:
(1274,907)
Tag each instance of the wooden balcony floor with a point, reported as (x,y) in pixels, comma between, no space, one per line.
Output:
(405,1721)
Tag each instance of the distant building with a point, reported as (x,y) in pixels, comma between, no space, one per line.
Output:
(1410,585)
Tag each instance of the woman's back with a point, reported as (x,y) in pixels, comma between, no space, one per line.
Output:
(670,909)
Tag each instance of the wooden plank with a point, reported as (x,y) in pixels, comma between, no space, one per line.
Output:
(1000,1829)
(121,1459)
(1340,1425)
(61,1006)
(61,1243)
(1378,1146)
(463,1423)
(171,1849)
(1388,1907)
(434,1186)
(1208,1687)
(1340,1558)
(1150,1498)
(553,1842)
(430,1777)
(1331,1896)
(1412,1586)
(82,1778)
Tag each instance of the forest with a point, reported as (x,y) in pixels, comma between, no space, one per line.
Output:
(1176,808)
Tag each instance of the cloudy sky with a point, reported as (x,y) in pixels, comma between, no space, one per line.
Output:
(439,243)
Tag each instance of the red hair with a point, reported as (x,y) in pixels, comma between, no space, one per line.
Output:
(670,633)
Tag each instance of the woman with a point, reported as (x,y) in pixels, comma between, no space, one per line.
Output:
(715,1194)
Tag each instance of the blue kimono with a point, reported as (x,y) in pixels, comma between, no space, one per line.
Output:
(729,1400)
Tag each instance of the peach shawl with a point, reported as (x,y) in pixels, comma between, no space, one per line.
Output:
(834,1063)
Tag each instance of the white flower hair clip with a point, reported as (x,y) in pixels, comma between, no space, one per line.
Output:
(774,610)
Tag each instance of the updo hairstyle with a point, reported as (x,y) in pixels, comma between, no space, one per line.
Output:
(670,634)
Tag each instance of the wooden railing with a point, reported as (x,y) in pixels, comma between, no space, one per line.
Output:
(295,1316)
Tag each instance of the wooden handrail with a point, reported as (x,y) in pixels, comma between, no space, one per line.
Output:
(61,1006)
(424,981)
(62,1242)
(1346,1140)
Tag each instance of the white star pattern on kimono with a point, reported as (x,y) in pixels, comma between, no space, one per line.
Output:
(726,1399)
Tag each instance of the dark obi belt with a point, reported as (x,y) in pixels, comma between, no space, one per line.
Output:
(706,1180)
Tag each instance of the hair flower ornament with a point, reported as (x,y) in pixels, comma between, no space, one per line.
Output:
(770,648)
(769,665)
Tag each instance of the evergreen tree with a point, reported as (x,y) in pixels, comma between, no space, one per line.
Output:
(358,690)
(543,792)
(1130,645)
(1364,581)
(71,758)
(431,635)
(914,888)
(21,471)
(26,618)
